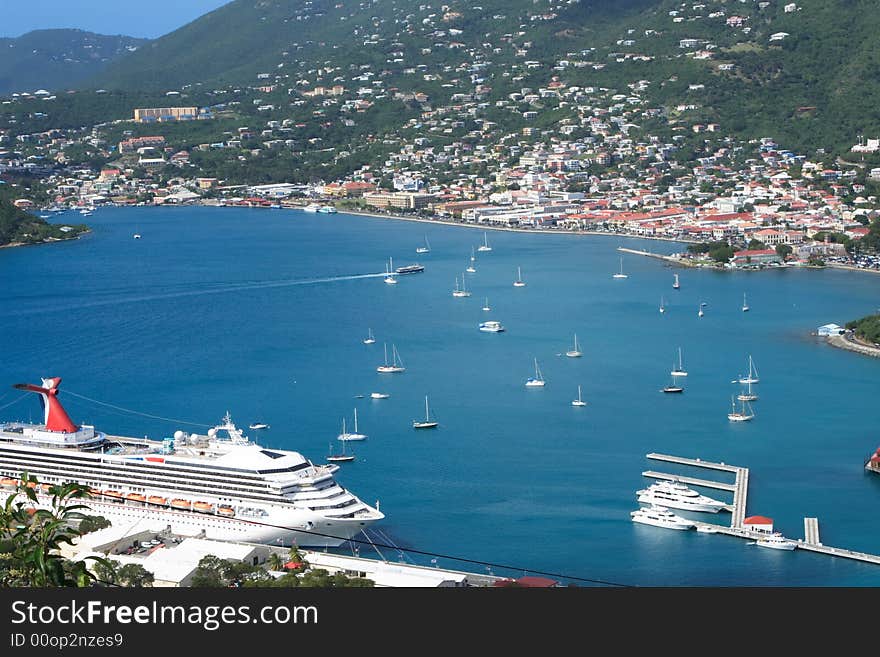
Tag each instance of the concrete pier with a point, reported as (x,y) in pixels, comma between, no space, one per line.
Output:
(811,531)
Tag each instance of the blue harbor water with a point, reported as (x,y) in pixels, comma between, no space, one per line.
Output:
(263,313)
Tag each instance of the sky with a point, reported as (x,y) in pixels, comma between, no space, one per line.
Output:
(149,19)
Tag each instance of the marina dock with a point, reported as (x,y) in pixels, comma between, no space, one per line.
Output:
(740,489)
(659,256)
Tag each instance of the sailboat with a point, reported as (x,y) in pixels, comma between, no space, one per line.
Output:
(620,274)
(471,268)
(390,278)
(673,386)
(745,304)
(348,436)
(485,245)
(342,457)
(752,376)
(575,352)
(662,306)
(741,415)
(700,312)
(426,248)
(486,305)
(748,395)
(427,423)
(369,339)
(578,401)
(460,292)
(536,381)
(396,366)
(679,371)
(675,283)
(519,282)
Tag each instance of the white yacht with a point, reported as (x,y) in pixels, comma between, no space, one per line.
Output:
(575,351)
(347,436)
(578,401)
(460,291)
(220,483)
(327,209)
(752,376)
(620,274)
(776,541)
(397,363)
(312,207)
(741,415)
(390,274)
(379,395)
(536,381)
(676,495)
(485,245)
(660,516)
(491,326)
(370,339)
(679,369)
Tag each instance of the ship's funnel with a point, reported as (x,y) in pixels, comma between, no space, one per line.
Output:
(56,418)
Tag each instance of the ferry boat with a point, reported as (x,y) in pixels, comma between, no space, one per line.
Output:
(676,495)
(660,516)
(776,541)
(221,483)
(491,326)
(410,269)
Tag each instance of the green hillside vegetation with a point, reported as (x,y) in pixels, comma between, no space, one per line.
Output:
(57,59)
(866,328)
(20,227)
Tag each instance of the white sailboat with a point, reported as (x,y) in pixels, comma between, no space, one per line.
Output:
(662,306)
(578,401)
(486,305)
(426,248)
(574,352)
(519,282)
(745,306)
(485,245)
(748,395)
(679,371)
(620,274)
(752,376)
(390,278)
(354,435)
(427,423)
(370,339)
(741,415)
(341,457)
(397,364)
(536,381)
(471,268)
(700,312)
(460,292)
(675,283)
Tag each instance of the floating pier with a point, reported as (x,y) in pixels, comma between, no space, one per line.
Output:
(740,489)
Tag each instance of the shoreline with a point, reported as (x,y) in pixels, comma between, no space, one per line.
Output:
(51,240)
(842,342)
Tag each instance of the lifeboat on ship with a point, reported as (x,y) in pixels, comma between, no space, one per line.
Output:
(114,495)
(157,499)
(136,497)
(8,482)
(203,507)
(45,487)
(226,511)
(179,503)
(94,492)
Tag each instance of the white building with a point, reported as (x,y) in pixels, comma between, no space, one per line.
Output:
(830,329)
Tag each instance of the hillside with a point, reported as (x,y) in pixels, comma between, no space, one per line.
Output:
(20,227)
(800,71)
(57,59)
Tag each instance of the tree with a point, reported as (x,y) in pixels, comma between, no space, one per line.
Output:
(134,575)
(275,562)
(756,245)
(33,536)
(783,250)
(93,523)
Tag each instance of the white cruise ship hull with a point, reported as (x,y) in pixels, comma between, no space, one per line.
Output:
(680,504)
(667,524)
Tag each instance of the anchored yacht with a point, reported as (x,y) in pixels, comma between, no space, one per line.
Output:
(676,495)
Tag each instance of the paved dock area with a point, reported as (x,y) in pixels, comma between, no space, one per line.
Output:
(811,531)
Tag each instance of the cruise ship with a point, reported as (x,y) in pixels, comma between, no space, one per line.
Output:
(676,495)
(220,485)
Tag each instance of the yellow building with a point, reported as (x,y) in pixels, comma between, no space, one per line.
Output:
(148,114)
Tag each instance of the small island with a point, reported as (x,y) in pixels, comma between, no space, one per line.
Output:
(18,227)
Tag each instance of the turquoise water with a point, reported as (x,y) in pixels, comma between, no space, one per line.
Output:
(263,313)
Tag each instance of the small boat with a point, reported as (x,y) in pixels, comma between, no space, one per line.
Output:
(389,273)
(536,381)
(675,283)
(426,248)
(673,387)
(700,312)
(312,207)
(776,541)
(706,529)
(226,511)
(179,503)
(679,371)
(660,516)
(427,423)
(460,292)
(662,306)
(410,269)
(9,482)
(137,236)
(745,306)
(157,500)
(575,351)
(339,458)
(620,274)
(203,507)
(485,245)
(471,268)
(519,281)
(327,209)
(578,401)
(486,305)
(113,494)
(136,497)
(369,339)
(354,435)
(397,364)
(491,326)
(379,395)
(748,395)
(258,425)
(741,415)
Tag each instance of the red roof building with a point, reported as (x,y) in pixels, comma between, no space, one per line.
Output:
(759,522)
